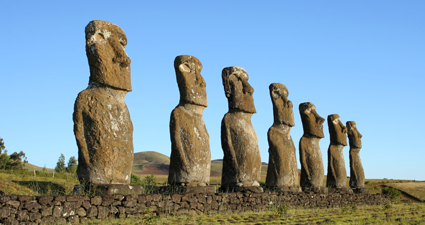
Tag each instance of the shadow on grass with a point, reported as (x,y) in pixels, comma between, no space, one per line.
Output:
(43,187)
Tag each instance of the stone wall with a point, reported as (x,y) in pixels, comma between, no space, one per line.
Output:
(76,208)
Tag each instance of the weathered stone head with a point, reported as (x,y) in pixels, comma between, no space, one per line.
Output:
(354,135)
(192,85)
(282,107)
(237,89)
(108,61)
(312,122)
(337,130)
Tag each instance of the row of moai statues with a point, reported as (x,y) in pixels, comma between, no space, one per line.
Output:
(104,131)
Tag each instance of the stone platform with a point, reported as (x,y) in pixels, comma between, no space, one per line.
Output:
(361,190)
(187,189)
(321,190)
(284,189)
(109,189)
(249,189)
(341,190)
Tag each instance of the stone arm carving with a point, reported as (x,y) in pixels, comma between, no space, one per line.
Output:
(177,146)
(304,163)
(226,142)
(80,117)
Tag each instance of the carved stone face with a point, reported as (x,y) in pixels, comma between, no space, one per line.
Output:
(312,122)
(108,61)
(282,107)
(354,135)
(192,85)
(237,89)
(337,130)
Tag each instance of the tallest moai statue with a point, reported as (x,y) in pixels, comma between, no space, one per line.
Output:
(102,124)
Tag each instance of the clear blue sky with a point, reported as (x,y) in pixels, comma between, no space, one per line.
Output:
(364,60)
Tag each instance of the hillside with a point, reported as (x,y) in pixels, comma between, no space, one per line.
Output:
(32,167)
(151,162)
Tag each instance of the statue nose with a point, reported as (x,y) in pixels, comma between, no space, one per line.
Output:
(247,88)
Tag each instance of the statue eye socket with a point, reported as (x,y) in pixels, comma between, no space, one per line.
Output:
(101,35)
(185,67)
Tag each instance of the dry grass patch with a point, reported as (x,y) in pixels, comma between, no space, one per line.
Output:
(416,189)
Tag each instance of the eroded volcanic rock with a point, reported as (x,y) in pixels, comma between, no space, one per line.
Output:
(102,124)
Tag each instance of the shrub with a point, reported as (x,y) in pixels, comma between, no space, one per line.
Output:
(282,210)
(367,182)
(149,184)
(394,193)
(136,180)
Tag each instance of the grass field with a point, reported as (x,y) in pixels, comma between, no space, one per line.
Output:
(416,189)
(412,213)
(25,183)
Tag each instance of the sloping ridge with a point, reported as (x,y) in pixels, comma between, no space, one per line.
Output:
(150,162)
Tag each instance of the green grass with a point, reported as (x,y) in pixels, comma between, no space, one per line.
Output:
(388,214)
(23,182)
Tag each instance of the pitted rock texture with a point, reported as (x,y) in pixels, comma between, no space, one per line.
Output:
(242,159)
(102,124)
(190,160)
(81,209)
(312,169)
(337,175)
(357,177)
(282,169)
(105,49)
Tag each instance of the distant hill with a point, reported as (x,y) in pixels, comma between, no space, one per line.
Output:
(151,162)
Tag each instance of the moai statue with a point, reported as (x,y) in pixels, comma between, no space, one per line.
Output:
(337,175)
(357,177)
(312,169)
(102,124)
(190,160)
(242,159)
(282,172)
